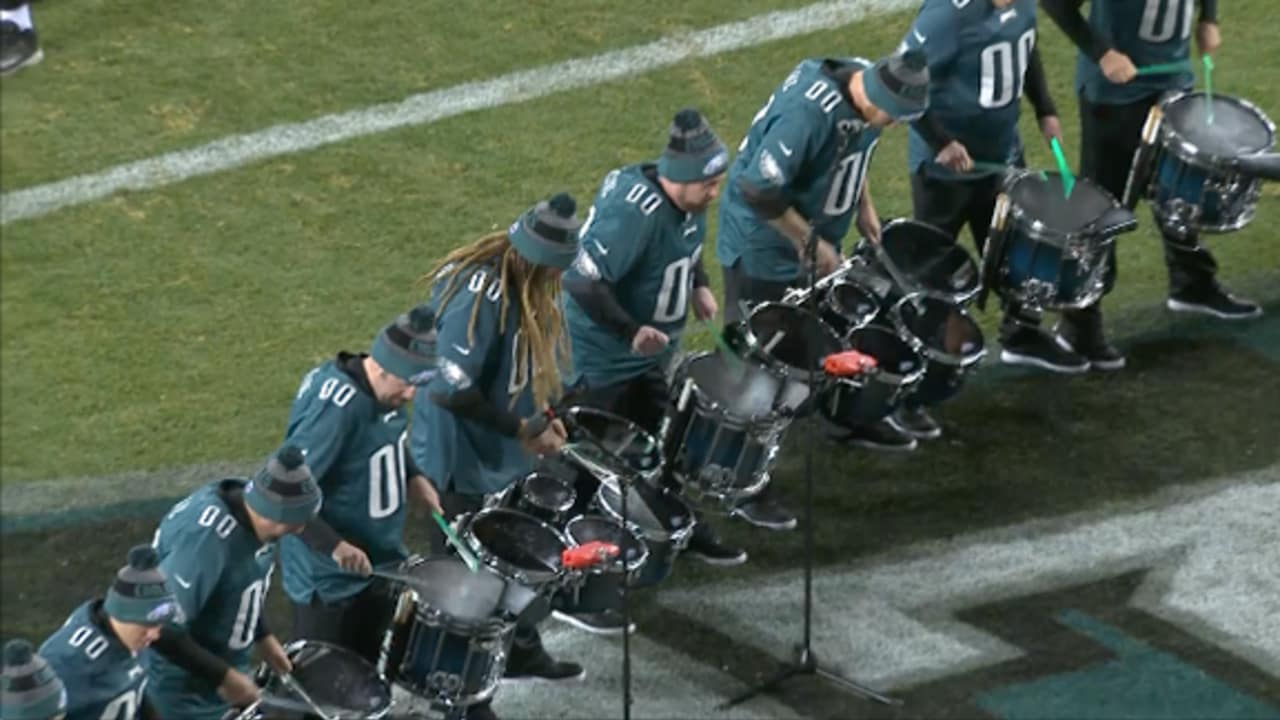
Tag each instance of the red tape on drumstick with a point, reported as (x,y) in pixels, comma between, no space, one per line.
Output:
(849,363)
(588,554)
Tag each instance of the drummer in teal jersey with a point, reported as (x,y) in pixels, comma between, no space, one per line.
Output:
(484,418)
(29,687)
(1118,37)
(96,651)
(802,166)
(982,56)
(217,550)
(637,274)
(349,416)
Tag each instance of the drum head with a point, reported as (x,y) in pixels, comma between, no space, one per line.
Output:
(791,337)
(655,511)
(590,528)
(625,439)
(894,357)
(344,684)
(547,491)
(522,541)
(1043,200)
(1237,129)
(930,257)
(854,303)
(943,329)
(449,587)
(740,388)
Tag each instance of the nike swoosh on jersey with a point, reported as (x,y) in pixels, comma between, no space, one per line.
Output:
(785,150)
(1007,16)
(460,349)
(919,38)
(602,249)
(186,585)
(690,230)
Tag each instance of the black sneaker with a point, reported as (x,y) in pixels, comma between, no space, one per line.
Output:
(707,547)
(916,422)
(18,48)
(764,512)
(536,664)
(1213,300)
(880,435)
(1089,342)
(481,711)
(605,622)
(1034,347)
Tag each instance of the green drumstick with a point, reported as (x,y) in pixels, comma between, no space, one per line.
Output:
(1068,180)
(1208,89)
(717,334)
(1166,68)
(456,542)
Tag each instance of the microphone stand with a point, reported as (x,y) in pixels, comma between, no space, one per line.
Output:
(806,662)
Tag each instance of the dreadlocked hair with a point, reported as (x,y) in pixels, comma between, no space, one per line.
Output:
(541,343)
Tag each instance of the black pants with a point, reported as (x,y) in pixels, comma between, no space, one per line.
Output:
(742,288)
(949,205)
(358,623)
(1110,134)
(641,399)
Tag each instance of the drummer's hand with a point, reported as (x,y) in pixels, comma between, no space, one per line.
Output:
(547,442)
(1050,127)
(869,224)
(273,654)
(955,156)
(1117,67)
(704,303)
(648,341)
(238,689)
(425,493)
(1207,37)
(557,426)
(828,258)
(352,559)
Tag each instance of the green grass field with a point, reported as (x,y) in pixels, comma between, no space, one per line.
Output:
(170,326)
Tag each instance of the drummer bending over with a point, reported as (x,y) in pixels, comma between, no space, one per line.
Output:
(349,418)
(974,117)
(96,650)
(630,289)
(216,549)
(1119,37)
(802,167)
(481,421)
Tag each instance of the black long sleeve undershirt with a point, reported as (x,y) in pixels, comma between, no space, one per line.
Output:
(473,405)
(596,298)
(1036,86)
(1066,13)
(182,650)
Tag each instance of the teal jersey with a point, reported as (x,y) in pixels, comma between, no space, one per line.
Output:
(809,142)
(103,678)
(356,449)
(1150,32)
(456,453)
(978,56)
(644,248)
(219,573)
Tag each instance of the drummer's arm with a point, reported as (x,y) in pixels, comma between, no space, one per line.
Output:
(773,205)
(1208,11)
(1066,13)
(596,298)
(148,710)
(1037,86)
(179,648)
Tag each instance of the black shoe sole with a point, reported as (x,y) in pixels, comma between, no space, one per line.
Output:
(580,624)
(1008,357)
(1094,363)
(719,561)
(1187,307)
(787,525)
(933,434)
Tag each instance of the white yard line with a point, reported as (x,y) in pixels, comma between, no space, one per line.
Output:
(236,150)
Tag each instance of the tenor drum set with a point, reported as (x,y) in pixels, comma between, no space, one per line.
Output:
(902,302)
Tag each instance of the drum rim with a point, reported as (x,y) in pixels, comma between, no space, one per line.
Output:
(921,347)
(961,296)
(828,302)
(761,422)
(562,507)
(575,410)
(678,538)
(488,627)
(1172,141)
(1037,230)
(632,566)
(294,645)
(501,565)
(786,371)
(881,375)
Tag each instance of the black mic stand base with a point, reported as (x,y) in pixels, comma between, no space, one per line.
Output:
(806,663)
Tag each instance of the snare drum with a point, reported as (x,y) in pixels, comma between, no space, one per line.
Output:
(660,517)
(450,634)
(722,431)
(520,548)
(1049,252)
(925,258)
(542,494)
(638,450)
(862,400)
(789,340)
(599,588)
(945,336)
(341,682)
(1184,164)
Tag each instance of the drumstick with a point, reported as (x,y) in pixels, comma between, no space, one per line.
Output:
(249,710)
(456,542)
(1068,180)
(1166,68)
(718,335)
(295,687)
(1208,89)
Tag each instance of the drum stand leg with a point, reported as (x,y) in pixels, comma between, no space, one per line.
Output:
(624,486)
(805,662)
